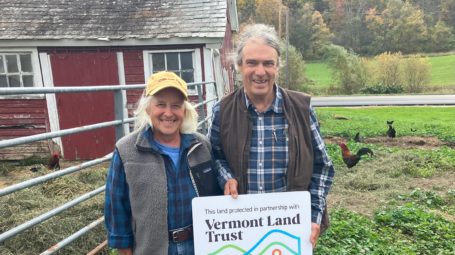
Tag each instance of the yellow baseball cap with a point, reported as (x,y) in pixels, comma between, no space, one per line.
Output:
(163,80)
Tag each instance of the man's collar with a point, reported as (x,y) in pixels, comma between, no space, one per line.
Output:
(276,104)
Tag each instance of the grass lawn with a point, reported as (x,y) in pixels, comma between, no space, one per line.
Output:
(371,121)
(319,73)
(442,72)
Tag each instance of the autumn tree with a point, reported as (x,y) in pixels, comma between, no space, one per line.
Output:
(246,10)
(441,38)
(269,12)
(399,27)
(310,34)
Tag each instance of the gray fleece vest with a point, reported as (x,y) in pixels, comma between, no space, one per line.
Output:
(146,177)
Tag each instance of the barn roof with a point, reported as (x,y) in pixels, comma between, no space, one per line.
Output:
(111,19)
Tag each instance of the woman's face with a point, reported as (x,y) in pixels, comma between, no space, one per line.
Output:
(167,112)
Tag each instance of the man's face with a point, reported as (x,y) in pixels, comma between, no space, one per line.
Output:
(259,68)
(167,112)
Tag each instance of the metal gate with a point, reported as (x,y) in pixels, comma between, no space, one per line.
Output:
(118,122)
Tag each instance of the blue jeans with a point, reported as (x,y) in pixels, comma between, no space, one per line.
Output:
(181,248)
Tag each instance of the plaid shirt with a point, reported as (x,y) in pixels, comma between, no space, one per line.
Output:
(268,160)
(117,204)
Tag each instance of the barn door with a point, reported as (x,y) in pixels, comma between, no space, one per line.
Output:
(85,68)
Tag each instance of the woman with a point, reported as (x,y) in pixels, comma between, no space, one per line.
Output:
(155,173)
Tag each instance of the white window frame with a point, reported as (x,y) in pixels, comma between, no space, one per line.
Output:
(148,64)
(37,78)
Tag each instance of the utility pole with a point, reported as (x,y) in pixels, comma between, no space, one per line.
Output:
(279,20)
(287,46)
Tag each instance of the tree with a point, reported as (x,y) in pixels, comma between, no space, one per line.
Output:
(378,28)
(246,10)
(346,19)
(447,11)
(292,75)
(411,29)
(268,12)
(310,34)
(320,37)
(441,38)
(399,27)
(347,68)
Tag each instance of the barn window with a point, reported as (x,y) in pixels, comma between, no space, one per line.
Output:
(16,70)
(181,62)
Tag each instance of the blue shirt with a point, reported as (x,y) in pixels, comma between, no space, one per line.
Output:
(173,152)
(268,161)
(117,210)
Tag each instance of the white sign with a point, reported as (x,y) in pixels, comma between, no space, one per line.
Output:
(267,224)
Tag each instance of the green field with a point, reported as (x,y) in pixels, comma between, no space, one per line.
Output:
(442,72)
(319,73)
(371,121)
(402,199)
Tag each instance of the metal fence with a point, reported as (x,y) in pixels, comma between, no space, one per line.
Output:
(120,120)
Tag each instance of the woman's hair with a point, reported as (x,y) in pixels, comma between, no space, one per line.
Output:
(260,31)
(143,119)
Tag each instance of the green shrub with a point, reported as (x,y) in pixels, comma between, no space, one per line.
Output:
(347,69)
(380,89)
(294,72)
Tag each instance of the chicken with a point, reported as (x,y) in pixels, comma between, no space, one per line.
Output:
(54,162)
(36,168)
(391,131)
(358,138)
(352,159)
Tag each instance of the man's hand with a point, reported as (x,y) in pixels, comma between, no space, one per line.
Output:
(315,231)
(230,188)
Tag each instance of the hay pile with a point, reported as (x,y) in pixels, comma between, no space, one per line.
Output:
(24,205)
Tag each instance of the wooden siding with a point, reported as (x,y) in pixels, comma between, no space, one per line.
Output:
(134,74)
(23,117)
(134,71)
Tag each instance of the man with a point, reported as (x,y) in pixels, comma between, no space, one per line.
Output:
(265,138)
(155,173)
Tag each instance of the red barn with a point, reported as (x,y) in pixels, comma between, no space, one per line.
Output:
(56,43)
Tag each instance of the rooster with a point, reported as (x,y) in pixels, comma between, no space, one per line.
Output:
(352,159)
(54,162)
(391,131)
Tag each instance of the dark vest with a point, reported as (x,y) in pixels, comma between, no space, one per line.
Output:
(235,134)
